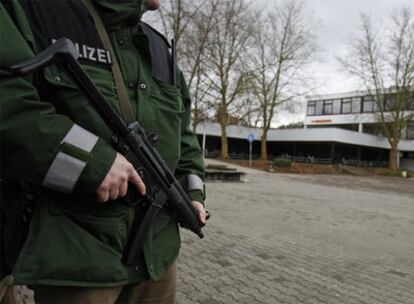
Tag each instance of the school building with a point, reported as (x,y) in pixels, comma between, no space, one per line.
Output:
(338,128)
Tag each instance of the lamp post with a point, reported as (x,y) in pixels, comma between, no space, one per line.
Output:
(250,139)
(204,131)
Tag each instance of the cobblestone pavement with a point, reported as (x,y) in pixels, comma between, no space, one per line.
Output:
(302,239)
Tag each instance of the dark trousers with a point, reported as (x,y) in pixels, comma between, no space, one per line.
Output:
(149,292)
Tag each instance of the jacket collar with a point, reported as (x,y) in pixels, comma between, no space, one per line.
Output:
(120,14)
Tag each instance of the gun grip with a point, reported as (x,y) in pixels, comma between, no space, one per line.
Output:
(62,50)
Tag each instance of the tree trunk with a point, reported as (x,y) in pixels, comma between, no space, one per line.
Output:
(222,117)
(224,154)
(394,158)
(263,146)
(195,120)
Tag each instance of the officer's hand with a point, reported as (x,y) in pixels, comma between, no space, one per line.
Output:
(202,212)
(115,183)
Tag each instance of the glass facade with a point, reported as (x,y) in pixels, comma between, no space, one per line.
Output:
(328,107)
(390,104)
(311,108)
(350,105)
(319,107)
(410,130)
(346,106)
(356,105)
(411,102)
(368,105)
(337,106)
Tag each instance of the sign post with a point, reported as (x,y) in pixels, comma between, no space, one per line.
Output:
(204,132)
(250,139)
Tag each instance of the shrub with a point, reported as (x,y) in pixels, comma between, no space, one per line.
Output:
(398,173)
(282,163)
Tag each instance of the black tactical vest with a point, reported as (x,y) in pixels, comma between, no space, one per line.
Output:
(51,20)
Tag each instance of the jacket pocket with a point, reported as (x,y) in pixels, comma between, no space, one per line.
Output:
(169,109)
(70,245)
(60,77)
(57,76)
(109,231)
(106,224)
(58,87)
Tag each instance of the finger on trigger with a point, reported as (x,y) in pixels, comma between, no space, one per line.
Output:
(137,181)
(123,189)
(113,194)
(103,196)
(202,217)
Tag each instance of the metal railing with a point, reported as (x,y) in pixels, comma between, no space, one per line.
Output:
(307,159)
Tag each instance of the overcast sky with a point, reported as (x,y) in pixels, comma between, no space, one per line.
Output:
(339,20)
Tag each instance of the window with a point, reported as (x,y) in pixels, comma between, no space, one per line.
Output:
(319,107)
(311,108)
(410,131)
(328,107)
(390,103)
(356,105)
(411,102)
(337,106)
(346,106)
(368,105)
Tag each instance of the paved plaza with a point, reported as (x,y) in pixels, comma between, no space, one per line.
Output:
(283,238)
(303,239)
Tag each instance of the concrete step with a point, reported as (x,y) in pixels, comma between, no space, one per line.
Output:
(221,172)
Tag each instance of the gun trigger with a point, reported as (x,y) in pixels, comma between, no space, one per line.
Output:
(152,138)
(121,146)
(141,173)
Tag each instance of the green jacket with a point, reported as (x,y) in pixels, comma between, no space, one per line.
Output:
(53,141)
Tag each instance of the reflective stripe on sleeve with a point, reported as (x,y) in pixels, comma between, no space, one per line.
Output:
(63,173)
(66,169)
(194,182)
(81,138)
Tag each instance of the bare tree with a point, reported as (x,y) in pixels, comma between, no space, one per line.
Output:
(189,22)
(284,44)
(225,75)
(384,62)
(249,112)
(195,58)
(177,16)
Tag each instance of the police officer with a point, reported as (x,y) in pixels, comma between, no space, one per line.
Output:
(57,146)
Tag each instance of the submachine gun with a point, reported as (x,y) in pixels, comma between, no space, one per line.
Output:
(129,140)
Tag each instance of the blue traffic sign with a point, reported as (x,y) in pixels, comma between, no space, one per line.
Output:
(250,137)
